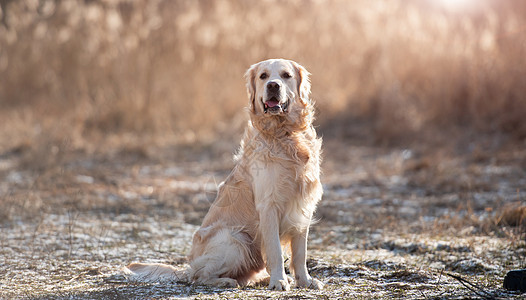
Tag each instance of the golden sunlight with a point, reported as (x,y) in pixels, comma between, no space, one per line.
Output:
(456,4)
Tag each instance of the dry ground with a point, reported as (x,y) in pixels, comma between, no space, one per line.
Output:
(393,221)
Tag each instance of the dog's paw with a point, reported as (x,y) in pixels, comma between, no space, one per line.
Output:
(279,285)
(310,283)
(226,283)
(290,279)
(219,282)
(316,284)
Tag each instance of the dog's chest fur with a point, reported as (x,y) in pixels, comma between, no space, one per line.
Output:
(285,175)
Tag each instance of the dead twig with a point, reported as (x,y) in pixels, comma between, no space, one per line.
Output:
(473,287)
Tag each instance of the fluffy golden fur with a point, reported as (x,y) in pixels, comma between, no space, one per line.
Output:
(270,196)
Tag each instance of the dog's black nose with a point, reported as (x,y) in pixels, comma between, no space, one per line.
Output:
(273,86)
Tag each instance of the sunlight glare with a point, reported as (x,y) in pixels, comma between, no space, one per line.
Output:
(455,4)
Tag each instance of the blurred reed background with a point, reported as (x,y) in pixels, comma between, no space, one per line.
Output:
(84,71)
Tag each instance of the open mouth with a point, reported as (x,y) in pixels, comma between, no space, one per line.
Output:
(273,106)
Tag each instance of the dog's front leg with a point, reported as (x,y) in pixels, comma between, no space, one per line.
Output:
(299,261)
(269,227)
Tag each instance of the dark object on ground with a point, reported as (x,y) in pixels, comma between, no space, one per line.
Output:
(515,280)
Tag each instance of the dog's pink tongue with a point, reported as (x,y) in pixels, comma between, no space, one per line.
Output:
(272,103)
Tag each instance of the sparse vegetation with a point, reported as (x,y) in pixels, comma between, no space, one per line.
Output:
(120,117)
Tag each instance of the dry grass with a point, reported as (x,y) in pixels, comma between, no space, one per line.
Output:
(75,69)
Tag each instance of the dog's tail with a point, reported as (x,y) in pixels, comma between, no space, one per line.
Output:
(149,273)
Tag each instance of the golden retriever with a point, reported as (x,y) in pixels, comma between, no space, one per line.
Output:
(269,198)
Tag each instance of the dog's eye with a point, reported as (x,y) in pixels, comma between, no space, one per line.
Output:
(286,75)
(263,76)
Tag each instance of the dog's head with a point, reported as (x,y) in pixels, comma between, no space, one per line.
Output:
(277,87)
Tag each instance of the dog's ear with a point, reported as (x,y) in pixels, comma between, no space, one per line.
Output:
(303,82)
(250,77)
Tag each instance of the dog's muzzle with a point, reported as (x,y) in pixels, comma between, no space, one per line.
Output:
(274,106)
